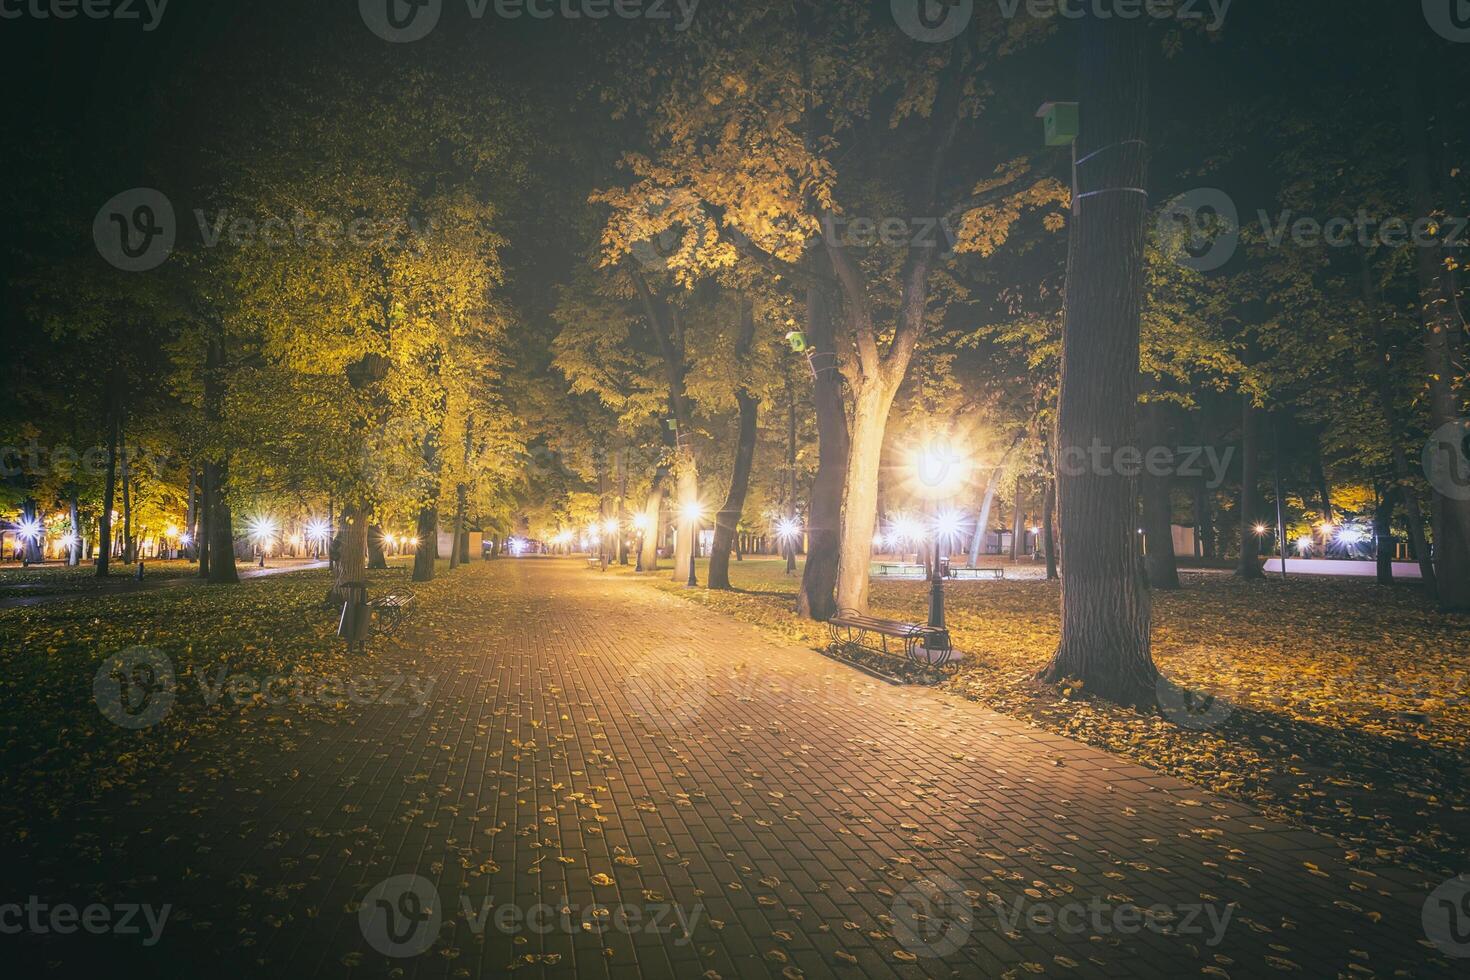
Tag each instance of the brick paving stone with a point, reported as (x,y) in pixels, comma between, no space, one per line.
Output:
(783,805)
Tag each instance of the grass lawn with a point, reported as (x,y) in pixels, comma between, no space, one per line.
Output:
(1337,704)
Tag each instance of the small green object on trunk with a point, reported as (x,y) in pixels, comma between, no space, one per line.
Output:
(1060,120)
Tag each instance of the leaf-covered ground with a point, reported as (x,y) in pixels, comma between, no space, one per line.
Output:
(20,580)
(234,650)
(1338,704)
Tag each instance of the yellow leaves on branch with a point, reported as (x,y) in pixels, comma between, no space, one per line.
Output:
(984,229)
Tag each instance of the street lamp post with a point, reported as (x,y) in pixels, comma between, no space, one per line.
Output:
(640,524)
(939,468)
(691,513)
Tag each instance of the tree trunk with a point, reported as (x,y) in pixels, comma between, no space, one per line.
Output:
(652,525)
(127,499)
(860,504)
(1048,529)
(982,523)
(1383,536)
(75,557)
(992,485)
(377,558)
(109,491)
(1319,481)
(1158,513)
(727,519)
(1403,472)
(816,599)
(221,532)
(191,513)
(729,515)
(201,541)
(1437,312)
(217,473)
(350,549)
(1018,524)
(1249,565)
(1105,599)
(791,540)
(686,482)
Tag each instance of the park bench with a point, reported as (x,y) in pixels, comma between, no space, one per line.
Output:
(850,628)
(903,568)
(362,616)
(594,562)
(958,572)
(390,608)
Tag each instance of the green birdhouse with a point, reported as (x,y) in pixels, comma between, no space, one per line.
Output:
(797,340)
(1060,122)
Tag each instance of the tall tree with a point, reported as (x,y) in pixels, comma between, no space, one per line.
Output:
(1105,602)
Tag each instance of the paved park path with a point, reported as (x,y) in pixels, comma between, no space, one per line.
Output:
(600,766)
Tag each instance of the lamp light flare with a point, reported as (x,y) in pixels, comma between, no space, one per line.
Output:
(947,524)
(317,530)
(30,529)
(611,527)
(788,529)
(904,528)
(1260,530)
(691,512)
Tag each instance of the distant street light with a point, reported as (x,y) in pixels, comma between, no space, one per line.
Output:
(788,533)
(261,529)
